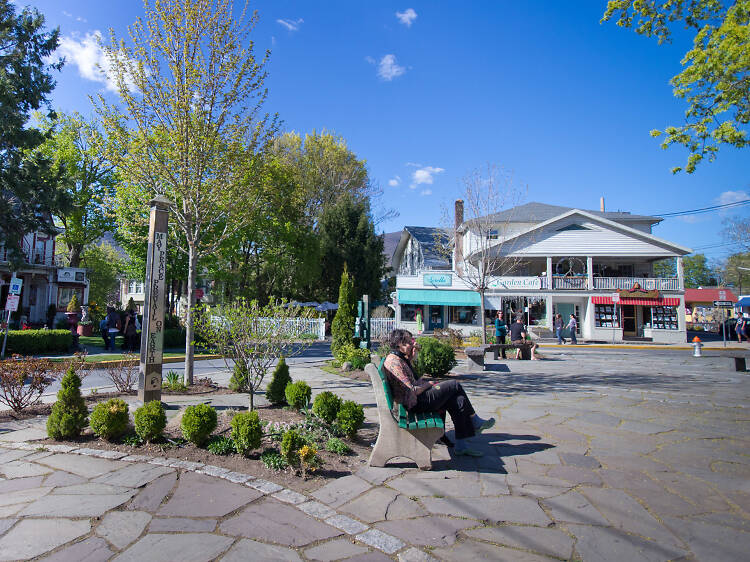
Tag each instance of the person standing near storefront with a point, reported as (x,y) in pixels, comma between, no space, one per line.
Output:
(559,325)
(573,326)
(419,321)
(501,330)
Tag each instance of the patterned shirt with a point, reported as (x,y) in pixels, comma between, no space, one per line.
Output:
(400,377)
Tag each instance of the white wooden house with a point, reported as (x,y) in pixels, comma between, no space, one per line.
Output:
(596,265)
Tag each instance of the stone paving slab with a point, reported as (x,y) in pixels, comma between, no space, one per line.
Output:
(88,467)
(477,550)
(551,542)
(204,496)
(168,548)
(79,505)
(497,510)
(247,549)
(120,528)
(380,504)
(93,549)
(337,549)
(433,531)
(32,537)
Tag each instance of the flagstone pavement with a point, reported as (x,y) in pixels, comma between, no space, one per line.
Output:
(597,455)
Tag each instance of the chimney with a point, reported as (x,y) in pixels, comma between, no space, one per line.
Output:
(601,204)
(458,253)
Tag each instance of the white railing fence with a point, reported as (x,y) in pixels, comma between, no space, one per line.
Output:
(646,283)
(381,327)
(292,326)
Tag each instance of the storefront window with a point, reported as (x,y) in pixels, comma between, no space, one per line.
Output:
(65,294)
(605,316)
(537,312)
(664,317)
(409,312)
(464,315)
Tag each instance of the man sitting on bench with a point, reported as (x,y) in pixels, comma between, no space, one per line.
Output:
(518,335)
(430,396)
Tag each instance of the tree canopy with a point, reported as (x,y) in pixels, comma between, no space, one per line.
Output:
(28,190)
(715,80)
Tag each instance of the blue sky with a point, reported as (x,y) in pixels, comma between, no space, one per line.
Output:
(428,91)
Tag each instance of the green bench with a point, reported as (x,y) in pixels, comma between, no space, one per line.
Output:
(411,435)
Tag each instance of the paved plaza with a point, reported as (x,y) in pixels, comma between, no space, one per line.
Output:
(598,454)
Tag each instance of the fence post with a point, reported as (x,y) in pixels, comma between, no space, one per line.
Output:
(321,329)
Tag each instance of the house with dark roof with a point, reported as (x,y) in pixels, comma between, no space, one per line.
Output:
(595,265)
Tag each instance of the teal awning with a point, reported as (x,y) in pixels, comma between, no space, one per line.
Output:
(433,297)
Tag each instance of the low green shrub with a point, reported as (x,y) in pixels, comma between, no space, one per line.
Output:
(291,443)
(150,421)
(350,418)
(240,381)
(221,445)
(275,392)
(359,358)
(298,394)
(326,406)
(434,358)
(174,337)
(337,446)
(69,414)
(110,419)
(343,351)
(273,460)
(247,432)
(197,423)
(36,342)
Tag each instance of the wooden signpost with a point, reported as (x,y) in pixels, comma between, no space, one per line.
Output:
(152,334)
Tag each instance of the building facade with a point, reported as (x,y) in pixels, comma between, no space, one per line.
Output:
(595,265)
(45,282)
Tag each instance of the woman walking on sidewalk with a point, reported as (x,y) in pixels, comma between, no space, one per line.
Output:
(573,326)
(431,396)
(559,325)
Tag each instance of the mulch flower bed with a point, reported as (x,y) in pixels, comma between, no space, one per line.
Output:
(332,465)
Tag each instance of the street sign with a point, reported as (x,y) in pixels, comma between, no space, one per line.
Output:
(11,304)
(615,297)
(723,304)
(722,295)
(15,286)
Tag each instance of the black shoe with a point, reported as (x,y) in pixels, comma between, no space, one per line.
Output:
(447,442)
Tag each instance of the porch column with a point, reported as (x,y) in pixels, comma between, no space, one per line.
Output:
(590,272)
(680,274)
(550,313)
(549,272)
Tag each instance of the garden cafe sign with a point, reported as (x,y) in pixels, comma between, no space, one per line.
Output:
(516,283)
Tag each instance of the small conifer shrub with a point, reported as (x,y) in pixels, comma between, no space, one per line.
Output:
(69,414)
(240,381)
(291,443)
(298,394)
(326,406)
(279,380)
(350,418)
(197,423)
(247,432)
(110,419)
(150,421)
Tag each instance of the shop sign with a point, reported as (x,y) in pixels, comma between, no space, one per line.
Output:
(516,283)
(70,275)
(635,292)
(438,279)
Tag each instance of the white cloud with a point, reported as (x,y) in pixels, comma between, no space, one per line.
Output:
(407,17)
(424,175)
(394,182)
(77,18)
(388,68)
(370,60)
(88,55)
(67,14)
(426,192)
(732,197)
(291,25)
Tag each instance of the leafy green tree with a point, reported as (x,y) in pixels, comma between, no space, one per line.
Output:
(76,148)
(190,122)
(697,272)
(732,271)
(28,189)
(665,268)
(103,264)
(714,82)
(347,237)
(342,327)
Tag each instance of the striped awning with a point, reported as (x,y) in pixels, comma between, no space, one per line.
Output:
(664,301)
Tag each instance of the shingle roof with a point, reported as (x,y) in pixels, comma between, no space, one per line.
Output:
(539,212)
(709,295)
(390,243)
(428,238)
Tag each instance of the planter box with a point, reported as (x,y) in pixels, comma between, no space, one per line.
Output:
(85,330)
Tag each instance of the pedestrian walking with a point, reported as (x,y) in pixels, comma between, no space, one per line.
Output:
(131,331)
(741,329)
(114,324)
(501,330)
(573,326)
(559,325)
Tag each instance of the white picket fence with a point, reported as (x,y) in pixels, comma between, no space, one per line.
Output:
(381,327)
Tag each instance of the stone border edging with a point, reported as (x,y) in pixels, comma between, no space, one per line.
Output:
(360,531)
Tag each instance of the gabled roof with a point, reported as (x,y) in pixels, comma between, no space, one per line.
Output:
(390,242)
(709,295)
(606,222)
(540,212)
(429,238)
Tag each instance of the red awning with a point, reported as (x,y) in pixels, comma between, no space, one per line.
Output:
(666,301)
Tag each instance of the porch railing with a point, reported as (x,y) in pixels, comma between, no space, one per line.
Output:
(574,283)
(647,284)
(381,327)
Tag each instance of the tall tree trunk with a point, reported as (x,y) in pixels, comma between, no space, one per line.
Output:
(189,315)
(481,315)
(75,255)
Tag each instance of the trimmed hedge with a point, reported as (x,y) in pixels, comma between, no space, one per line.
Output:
(174,337)
(34,342)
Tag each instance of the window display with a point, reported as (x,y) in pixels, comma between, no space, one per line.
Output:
(605,316)
(409,312)
(464,314)
(664,317)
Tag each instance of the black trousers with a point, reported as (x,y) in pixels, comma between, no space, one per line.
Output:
(501,340)
(450,396)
